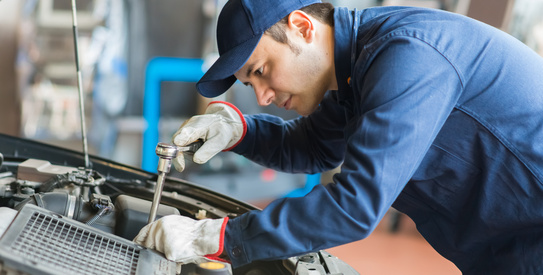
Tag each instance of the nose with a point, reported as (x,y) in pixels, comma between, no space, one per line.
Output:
(264,95)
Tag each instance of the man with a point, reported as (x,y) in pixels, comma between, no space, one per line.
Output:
(433,113)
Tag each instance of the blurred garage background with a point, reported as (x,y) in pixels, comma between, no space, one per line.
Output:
(128,47)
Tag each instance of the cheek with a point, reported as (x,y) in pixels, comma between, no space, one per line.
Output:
(282,81)
(289,76)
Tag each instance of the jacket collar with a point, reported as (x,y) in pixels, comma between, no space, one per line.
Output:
(346,23)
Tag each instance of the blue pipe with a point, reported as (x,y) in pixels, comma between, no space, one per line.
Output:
(157,70)
(311,181)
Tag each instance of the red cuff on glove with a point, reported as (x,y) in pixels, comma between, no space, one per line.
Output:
(242,120)
(215,256)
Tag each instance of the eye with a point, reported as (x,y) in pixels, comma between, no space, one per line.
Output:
(259,71)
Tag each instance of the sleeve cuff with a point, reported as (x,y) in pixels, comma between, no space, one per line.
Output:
(234,243)
(243,145)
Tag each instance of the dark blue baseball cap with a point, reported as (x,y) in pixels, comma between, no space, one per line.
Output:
(240,26)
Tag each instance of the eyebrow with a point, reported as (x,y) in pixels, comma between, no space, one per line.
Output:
(250,70)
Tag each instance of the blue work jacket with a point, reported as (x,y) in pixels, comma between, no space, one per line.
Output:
(437,115)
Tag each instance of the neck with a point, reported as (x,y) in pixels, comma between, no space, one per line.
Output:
(328,45)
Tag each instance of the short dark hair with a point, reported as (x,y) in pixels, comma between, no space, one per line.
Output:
(321,11)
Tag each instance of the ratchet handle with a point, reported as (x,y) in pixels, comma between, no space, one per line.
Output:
(191,148)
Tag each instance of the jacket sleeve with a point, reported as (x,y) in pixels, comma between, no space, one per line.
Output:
(406,91)
(303,145)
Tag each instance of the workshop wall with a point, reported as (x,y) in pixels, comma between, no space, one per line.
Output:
(173,29)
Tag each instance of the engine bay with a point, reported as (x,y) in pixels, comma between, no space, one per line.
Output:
(112,201)
(78,194)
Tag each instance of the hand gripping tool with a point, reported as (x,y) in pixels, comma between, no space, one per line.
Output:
(166,152)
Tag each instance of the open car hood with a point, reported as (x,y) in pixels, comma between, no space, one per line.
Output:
(36,175)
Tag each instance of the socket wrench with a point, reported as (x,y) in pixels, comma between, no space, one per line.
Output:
(166,152)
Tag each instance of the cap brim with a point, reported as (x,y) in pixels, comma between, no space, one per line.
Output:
(220,76)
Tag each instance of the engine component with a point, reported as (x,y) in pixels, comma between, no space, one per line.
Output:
(67,191)
(60,203)
(73,207)
(132,214)
(211,268)
(40,170)
(103,204)
(81,177)
(41,242)
(6,180)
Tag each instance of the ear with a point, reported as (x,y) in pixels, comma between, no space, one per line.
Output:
(302,25)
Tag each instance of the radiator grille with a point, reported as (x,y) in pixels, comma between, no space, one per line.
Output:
(50,241)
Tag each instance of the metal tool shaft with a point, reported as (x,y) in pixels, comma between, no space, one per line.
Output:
(166,153)
(80,87)
(156,198)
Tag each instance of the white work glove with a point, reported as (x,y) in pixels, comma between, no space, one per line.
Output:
(221,127)
(184,240)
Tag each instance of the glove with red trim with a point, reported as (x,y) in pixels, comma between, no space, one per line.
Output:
(221,127)
(184,240)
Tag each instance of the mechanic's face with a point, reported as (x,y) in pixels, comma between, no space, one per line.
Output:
(291,79)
